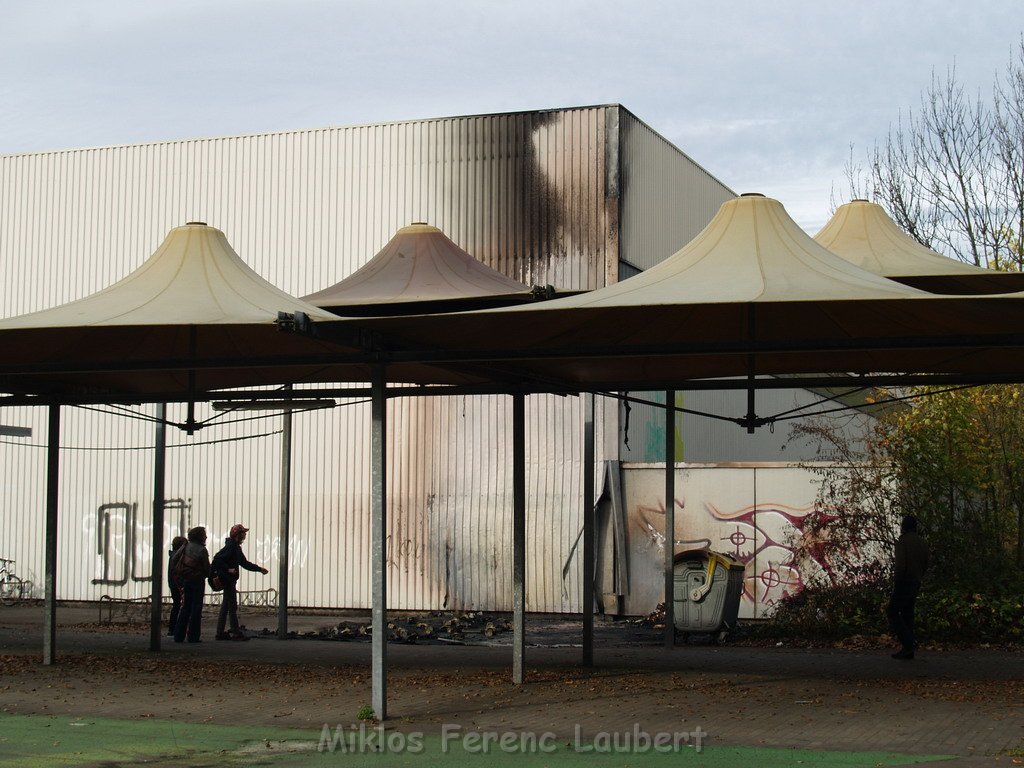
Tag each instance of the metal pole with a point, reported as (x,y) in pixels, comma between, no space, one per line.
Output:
(378,542)
(751,363)
(670,516)
(159,479)
(588,530)
(52,495)
(284,534)
(518,539)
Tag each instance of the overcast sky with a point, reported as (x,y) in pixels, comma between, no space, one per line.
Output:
(768,96)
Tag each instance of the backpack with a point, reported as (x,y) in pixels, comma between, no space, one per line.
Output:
(187,567)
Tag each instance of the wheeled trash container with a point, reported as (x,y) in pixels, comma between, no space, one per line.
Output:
(706,593)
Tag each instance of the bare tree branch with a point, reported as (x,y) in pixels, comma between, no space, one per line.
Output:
(952,173)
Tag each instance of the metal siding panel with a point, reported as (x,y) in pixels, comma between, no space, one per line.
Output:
(22,496)
(92,475)
(329,513)
(667,199)
(523,192)
(710,440)
(705,439)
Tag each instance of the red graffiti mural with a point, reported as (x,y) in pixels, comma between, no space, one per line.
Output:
(765,538)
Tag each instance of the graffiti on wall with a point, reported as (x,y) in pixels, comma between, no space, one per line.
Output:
(267,549)
(124,541)
(764,537)
(122,552)
(717,513)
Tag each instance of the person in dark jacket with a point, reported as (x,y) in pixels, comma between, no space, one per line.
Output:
(226,564)
(910,567)
(191,566)
(173,585)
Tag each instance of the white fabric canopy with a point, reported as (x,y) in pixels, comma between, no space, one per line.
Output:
(752,293)
(192,318)
(419,264)
(193,278)
(751,251)
(864,234)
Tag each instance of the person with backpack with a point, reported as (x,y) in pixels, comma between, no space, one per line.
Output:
(173,585)
(225,565)
(191,566)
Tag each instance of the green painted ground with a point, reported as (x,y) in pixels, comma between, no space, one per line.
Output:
(37,741)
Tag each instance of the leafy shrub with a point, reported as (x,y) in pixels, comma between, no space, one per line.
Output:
(826,611)
(946,612)
(953,458)
(949,613)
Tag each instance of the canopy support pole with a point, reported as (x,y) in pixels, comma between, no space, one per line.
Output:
(670,516)
(159,480)
(52,497)
(190,415)
(284,533)
(378,542)
(518,538)
(588,530)
(751,420)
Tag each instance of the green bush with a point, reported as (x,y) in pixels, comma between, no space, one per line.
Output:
(954,614)
(946,613)
(827,611)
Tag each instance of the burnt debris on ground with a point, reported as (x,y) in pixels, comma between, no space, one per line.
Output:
(477,628)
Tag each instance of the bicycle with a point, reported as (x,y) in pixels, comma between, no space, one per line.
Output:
(12,587)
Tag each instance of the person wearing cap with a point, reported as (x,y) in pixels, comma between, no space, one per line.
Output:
(226,564)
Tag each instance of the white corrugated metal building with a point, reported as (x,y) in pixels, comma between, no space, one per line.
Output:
(575,198)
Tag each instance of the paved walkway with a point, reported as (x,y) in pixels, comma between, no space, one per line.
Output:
(969,704)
